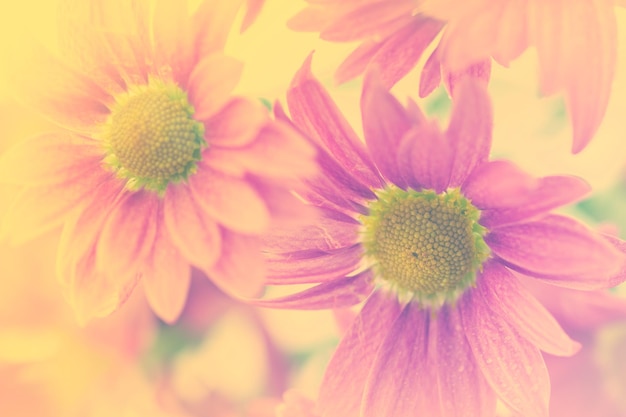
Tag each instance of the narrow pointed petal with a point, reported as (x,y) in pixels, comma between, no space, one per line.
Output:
(558,248)
(172,35)
(313,110)
(253,9)
(313,266)
(401,379)
(463,390)
(211,25)
(355,64)
(196,236)
(231,201)
(347,373)
(52,159)
(512,366)
(128,234)
(430,78)
(479,73)
(240,271)
(385,122)
(425,158)
(211,82)
(342,292)
(550,193)
(166,277)
(498,184)
(508,298)
(470,130)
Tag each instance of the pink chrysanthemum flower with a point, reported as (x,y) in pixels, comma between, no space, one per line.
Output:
(427,230)
(159,168)
(575,41)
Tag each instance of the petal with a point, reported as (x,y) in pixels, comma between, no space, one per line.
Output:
(225,129)
(344,381)
(313,111)
(512,38)
(338,293)
(172,35)
(498,184)
(425,158)
(551,192)
(507,297)
(402,50)
(469,131)
(211,24)
(313,266)
(166,277)
(49,159)
(196,236)
(513,366)
(253,9)
(401,379)
(463,389)
(355,64)
(479,73)
(430,78)
(128,233)
(385,122)
(211,83)
(557,248)
(240,271)
(233,202)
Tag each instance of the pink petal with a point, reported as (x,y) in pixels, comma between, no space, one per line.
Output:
(310,19)
(469,131)
(196,236)
(49,159)
(236,124)
(513,366)
(344,381)
(166,277)
(368,21)
(479,72)
(253,9)
(128,233)
(498,184)
(401,379)
(233,202)
(430,77)
(338,293)
(512,38)
(550,193)
(211,83)
(240,270)
(313,265)
(463,389)
(557,248)
(317,115)
(384,124)
(512,302)
(211,25)
(425,158)
(355,64)
(402,50)
(172,36)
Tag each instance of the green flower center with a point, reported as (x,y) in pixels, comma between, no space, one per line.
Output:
(424,245)
(151,137)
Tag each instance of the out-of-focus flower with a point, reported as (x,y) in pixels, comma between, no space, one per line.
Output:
(427,230)
(575,40)
(159,167)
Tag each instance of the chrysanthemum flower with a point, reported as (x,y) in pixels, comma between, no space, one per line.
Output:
(425,228)
(575,41)
(159,167)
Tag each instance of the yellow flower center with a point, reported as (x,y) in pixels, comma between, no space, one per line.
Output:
(425,245)
(151,137)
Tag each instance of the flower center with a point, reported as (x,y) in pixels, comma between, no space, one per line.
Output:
(426,246)
(151,137)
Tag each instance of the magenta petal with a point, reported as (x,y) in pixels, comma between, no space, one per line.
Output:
(316,114)
(424,158)
(341,390)
(462,386)
(402,381)
(355,64)
(385,122)
(313,265)
(430,77)
(513,366)
(558,248)
(498,184)
(342,292)
(479,72)
(506,296)
(469,131)
(551,192)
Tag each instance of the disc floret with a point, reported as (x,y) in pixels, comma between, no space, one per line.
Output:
(425,246)
(151,138)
